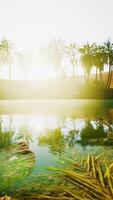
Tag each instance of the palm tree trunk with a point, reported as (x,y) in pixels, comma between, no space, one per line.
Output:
(107,83)
(110,79)
(85,75)
(96,78)
(101,78)
(88,76)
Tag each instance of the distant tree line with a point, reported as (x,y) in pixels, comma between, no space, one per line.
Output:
(89,55)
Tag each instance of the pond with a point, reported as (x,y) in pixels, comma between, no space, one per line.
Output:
(51,129)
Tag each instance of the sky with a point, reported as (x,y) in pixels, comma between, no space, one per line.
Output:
(28,24)
(31,23)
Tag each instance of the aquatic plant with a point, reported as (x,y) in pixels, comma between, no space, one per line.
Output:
(15,165)
(5,138)
(88,179)
(92,177)
(24,135)
(54,139)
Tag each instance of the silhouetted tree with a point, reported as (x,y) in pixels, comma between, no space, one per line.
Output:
(86,58)
(109,53)
(55,51)
(71,51)
(6,57)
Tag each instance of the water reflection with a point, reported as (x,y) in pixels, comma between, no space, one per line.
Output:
(93,131)
(54,139)
(24,135)
(6,134)
(49,137)
(51,130)
(55,132)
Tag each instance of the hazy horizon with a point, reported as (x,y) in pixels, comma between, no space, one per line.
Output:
(31,23)
(28,24)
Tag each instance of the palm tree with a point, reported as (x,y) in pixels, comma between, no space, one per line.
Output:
(109,53)
(86,58)
(99,60)
(55,51)
(24,60)
(6,57)
(43,58)
(72,52)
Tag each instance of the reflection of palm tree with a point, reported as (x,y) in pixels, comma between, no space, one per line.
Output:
(89,132)
(1,123)
(70,138)
(110,117)
(5,136)
(10,122)
(54,139)
(24,135)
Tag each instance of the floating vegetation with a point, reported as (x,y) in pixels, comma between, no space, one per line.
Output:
(90,179)
(70,176)
(16,163)
(54,139)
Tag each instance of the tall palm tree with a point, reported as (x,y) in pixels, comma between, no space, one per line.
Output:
(24,60)
(99,60)
(109,53)
(6,57)
(44,58)
(86,58)
(71,51)
(56,53)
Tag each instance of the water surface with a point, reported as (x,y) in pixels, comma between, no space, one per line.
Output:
(52,128)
